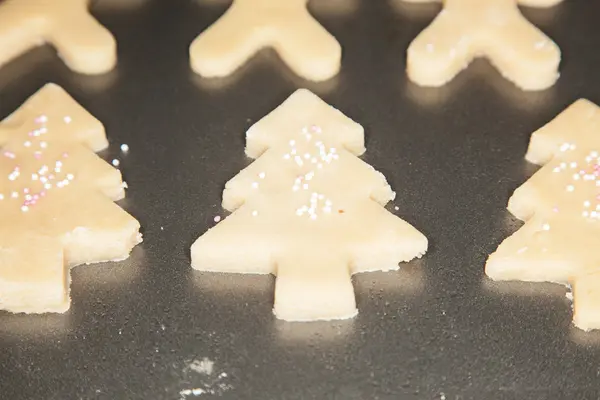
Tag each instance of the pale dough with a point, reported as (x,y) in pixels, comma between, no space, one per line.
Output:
(495,29)
(309,211)
(250,25)
(83,44)
(56,202)
(561,207)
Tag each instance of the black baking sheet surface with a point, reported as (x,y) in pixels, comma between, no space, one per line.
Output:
(152,328)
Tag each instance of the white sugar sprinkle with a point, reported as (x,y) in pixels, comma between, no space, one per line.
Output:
(116,162)
(217,218)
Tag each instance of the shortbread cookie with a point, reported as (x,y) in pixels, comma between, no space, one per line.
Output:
(250,25)
(56,202)
(83,44)
(495,29)
(561,207)
(309,211)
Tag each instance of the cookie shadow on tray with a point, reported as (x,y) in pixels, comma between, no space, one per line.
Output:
(36,326)
(264,66)
(117,5)
(480,76)
(43,64)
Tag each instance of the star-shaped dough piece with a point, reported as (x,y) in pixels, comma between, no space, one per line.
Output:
(309,211)
(56,202)
(561,207)
(82,43)
(495,29)
(250,25)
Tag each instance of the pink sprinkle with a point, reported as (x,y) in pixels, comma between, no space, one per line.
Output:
(26,190)
(51,176)
(41,119)
(9,154)
(555,209)
(36,197)
(65,155)
(43,193)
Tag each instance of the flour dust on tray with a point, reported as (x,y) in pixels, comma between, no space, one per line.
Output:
(495,29)
(309,211)
(561,207)
(56,202)
(250,25)
(81,42)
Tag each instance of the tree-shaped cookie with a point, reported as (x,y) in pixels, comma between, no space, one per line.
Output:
(83,44)
(561,207)
(495,29)
(250,25)
(309,211)
(56,202)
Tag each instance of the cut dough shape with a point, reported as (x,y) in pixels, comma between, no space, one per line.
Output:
(56,202)
(82,43)
(250,25)
(495,29)
(561,207)
(309,211)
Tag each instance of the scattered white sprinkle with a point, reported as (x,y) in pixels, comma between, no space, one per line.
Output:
(67,119)
(14,195)
(116,162)
(262,175)
(286,156)
(564,147)
(585,214)
(254,213)
(43,145)
(124,148)
(217,218)
(522,250)
(587,204)
(71,177)
(24,208)
(546,227)
(570,188)
(396,208)
(27,144)
(1,197)
(429,47)
(255,185)
(305,186)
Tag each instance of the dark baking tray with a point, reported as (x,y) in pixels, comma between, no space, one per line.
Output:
(150,327)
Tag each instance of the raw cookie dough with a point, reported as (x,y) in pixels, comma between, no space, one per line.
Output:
(309,211)
(561,207)
(250,25)
(83,44)
(495,29)
(56,202)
